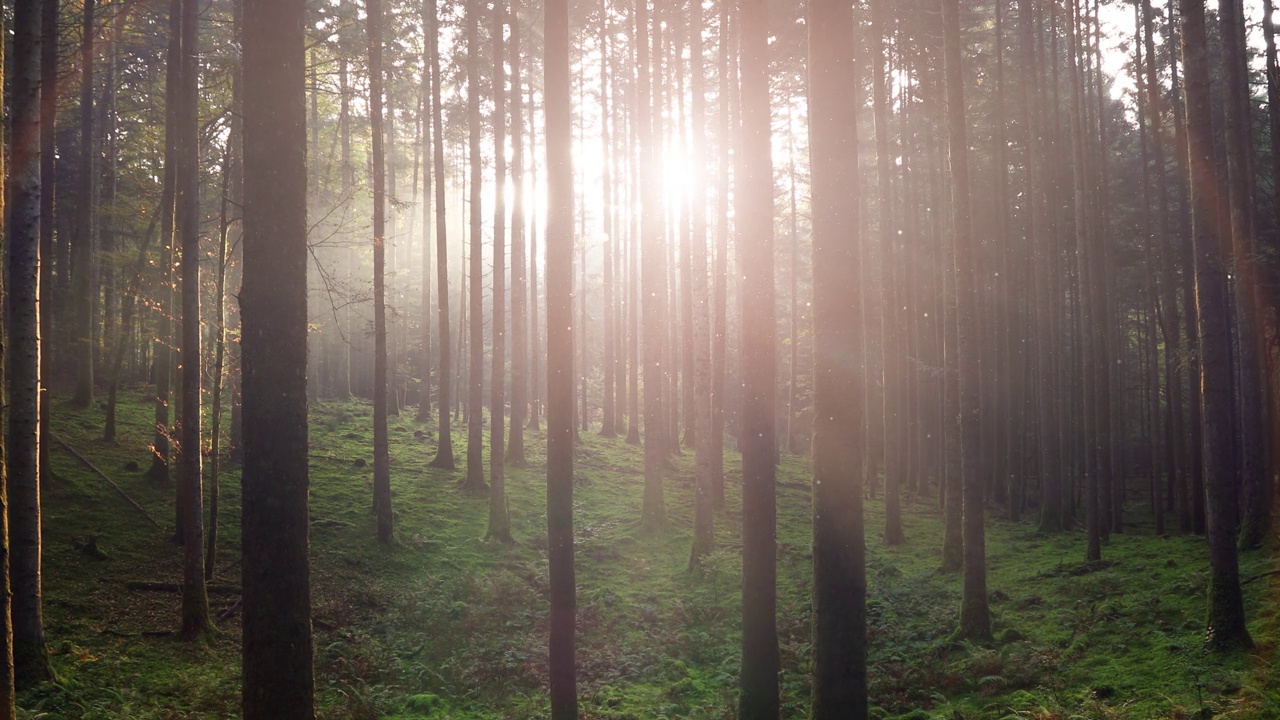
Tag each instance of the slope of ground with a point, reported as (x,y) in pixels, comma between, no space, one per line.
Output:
(445,625)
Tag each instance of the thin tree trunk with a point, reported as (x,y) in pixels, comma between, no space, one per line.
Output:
(704,491)
(975,618)
(653,514)
(381,451)
(474,483)
(82,271)
(444,374)
(519,265)
(499,523)
(219,355)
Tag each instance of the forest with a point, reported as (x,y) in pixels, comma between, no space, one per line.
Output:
(640,359)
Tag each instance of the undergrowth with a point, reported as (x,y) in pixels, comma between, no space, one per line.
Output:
(442,624)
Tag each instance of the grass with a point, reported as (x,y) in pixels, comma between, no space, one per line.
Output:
(442,624)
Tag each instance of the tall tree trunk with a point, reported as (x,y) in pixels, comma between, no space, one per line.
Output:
(164,345)
(563,673)
(8,706)
(48,210)
(1256,484)
(474,482)
(196,622)
(1175,453)
(424,367)
(499,523)
(444,374)
(704,491)
(608,409)
(276,649)
(839,435)
(891,341)
(720,273)
(754,204)
(82,271)
(22,545)
(219,357)
(535,346)
(653,514)
(519,265)
(975,618)
(381,451)
(1088,338)
(1052,514)
(1226,603)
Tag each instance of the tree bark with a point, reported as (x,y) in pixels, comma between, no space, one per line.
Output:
(277,647)
(1226,603)
(563,674)
(759,698)
(28,652)
(196,622)
(839,435)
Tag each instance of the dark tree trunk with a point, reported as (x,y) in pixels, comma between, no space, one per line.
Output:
(1052,514)
(839,435)
(48,208)
(754,205)
(1226,604)
(563,673)
(277,665)
(196,622)
(27,242)
(1256,498)
(82,270)
(28,653)
(975,619)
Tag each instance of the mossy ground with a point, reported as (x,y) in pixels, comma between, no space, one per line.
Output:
(442,624)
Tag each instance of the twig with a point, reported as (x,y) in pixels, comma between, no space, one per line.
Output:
(175,587)
(103,475)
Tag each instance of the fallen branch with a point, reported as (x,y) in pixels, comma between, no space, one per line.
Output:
(103,475)
(222,616)
(175,587)
(1259,576)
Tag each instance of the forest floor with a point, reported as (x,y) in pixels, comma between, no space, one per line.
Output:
(442,624)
